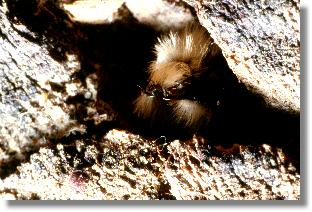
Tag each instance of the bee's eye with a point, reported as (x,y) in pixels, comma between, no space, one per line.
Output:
(175,91)
(178,86)
(155,90)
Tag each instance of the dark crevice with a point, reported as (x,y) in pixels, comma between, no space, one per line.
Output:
(9,167)
(5,37)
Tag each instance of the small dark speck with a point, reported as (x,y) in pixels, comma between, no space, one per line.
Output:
(280,198)
(242,193)
(126,197)
(57,87)
(34,104)
(194,160)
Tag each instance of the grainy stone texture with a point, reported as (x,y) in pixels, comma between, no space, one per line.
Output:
(125,166)
(261,42)
(58,142)
(30,109)
(160,14)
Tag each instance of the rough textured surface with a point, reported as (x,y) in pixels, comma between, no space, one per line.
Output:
(261,42)
(160,14)
(31,110)
(124,166)
(59,141)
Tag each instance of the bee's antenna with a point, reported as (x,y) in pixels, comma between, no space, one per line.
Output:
(141,89)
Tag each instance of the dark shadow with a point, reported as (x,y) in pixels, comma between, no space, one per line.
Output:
(7,167)
(49,25)
(246,119)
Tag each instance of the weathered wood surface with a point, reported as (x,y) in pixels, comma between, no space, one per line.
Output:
(57,143)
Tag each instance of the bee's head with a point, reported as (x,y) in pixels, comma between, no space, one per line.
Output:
(169,80)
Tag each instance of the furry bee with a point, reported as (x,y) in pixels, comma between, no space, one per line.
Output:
(185,81)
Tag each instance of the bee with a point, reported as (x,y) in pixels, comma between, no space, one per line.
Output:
(185,80)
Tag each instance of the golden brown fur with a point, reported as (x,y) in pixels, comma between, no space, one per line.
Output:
(168,73)
(179,56)
(190,113)
(190,45)
(145,106)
